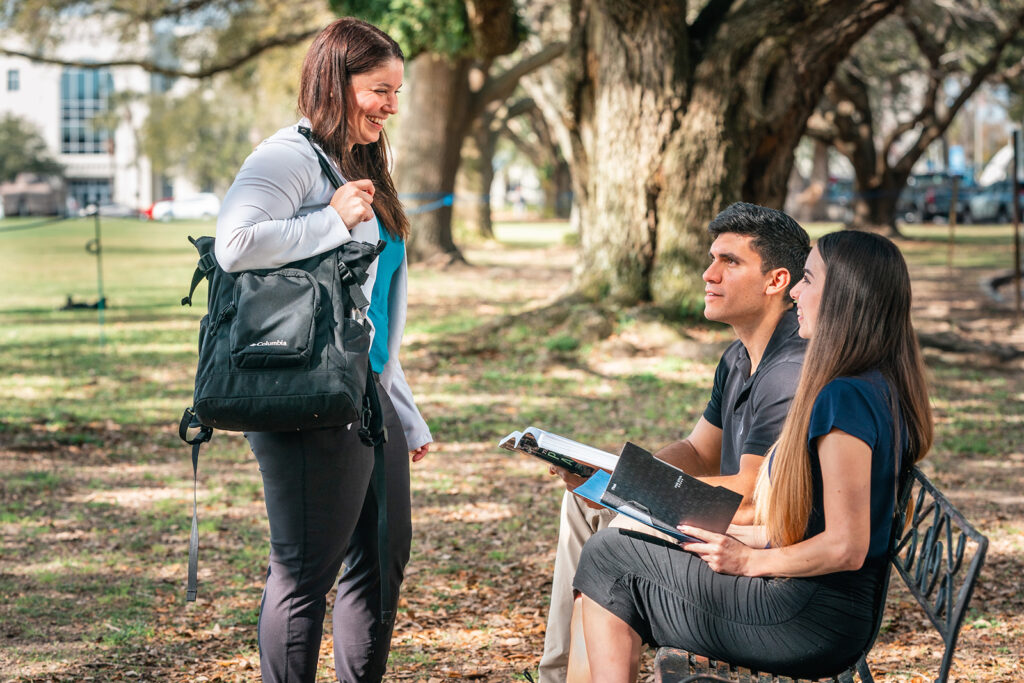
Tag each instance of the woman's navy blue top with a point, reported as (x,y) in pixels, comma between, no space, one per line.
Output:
(859,406)
(387,265)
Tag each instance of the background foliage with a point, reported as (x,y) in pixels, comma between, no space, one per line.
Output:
(23,150)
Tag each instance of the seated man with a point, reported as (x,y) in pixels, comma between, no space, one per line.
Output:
(756,256)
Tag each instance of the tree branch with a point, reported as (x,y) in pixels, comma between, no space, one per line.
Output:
(821,128)
(519,107)
(253,51)
(500,87)
(851,115)
(936,123)
(157,11)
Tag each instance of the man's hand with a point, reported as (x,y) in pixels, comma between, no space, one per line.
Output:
(571,482)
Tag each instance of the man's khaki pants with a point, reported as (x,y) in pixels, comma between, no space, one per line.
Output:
(577,524)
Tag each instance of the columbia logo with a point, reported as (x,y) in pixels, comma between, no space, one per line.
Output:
(270,342)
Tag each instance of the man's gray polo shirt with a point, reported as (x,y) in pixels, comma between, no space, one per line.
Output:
(748,409)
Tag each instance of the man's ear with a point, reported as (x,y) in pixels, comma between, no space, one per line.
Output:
(778,282)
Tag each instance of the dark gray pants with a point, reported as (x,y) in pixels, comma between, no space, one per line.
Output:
(323,513)
(808,627)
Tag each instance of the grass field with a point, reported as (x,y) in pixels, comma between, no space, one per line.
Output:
(95,488)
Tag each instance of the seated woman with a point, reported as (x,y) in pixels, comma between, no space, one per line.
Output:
(798,594)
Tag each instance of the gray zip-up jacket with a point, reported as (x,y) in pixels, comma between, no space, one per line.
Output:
(278,211)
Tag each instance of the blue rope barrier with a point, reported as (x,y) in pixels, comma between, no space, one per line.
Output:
(424,195)
(446,200)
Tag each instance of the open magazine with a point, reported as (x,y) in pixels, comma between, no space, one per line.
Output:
(576,457)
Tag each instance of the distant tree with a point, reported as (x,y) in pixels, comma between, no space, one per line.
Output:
(531,135)
(23,150)
(520,122)
(198,135)
(902,87)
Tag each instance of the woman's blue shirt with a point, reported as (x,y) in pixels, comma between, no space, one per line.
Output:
(859,406)
(388,263)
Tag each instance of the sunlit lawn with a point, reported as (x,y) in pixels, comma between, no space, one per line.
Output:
(95,489)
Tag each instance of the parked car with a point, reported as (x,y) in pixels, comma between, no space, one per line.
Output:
(929,195)
(204,205)
(114,210)
(108,209)
(995,202)
(839,196)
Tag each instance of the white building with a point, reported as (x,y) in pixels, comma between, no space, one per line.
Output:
(101,165)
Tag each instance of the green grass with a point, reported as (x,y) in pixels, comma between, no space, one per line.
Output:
(55,368)
(95,496)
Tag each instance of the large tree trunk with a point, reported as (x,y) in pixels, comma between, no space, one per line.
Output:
(674,122)
(428,151)
(625,101)
(876,197)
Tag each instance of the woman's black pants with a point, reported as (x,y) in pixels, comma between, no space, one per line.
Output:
(323,514)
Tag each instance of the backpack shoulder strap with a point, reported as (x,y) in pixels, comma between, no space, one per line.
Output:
(189,420)
(374,433)
(207,262)
(332,175)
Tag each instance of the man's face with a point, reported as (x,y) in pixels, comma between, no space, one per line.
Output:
(734,286)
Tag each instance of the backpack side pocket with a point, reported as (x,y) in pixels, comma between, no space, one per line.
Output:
(275,321)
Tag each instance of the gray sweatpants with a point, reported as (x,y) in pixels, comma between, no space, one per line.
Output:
(323,513)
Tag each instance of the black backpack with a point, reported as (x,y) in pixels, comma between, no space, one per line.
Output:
(283,349)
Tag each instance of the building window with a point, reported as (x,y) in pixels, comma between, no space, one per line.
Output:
(86,191)
(13,80)
(84,94)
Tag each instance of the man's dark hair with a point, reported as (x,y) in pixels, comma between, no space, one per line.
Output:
(778,239)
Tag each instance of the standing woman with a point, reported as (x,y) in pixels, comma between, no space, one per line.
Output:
(800,595)
(320,504)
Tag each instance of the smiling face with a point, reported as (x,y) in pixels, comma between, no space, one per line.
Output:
(807,293)
(372,98)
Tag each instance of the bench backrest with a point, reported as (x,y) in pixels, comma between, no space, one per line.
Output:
(939,556)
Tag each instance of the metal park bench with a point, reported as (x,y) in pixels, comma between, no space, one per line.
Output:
(938,556)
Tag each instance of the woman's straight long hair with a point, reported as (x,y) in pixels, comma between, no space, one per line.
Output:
(863,323)
(345,47)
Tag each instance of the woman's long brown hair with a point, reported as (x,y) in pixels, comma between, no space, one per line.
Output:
(863,323)
(351,46)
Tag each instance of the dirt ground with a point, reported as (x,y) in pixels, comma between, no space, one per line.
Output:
(475,599)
